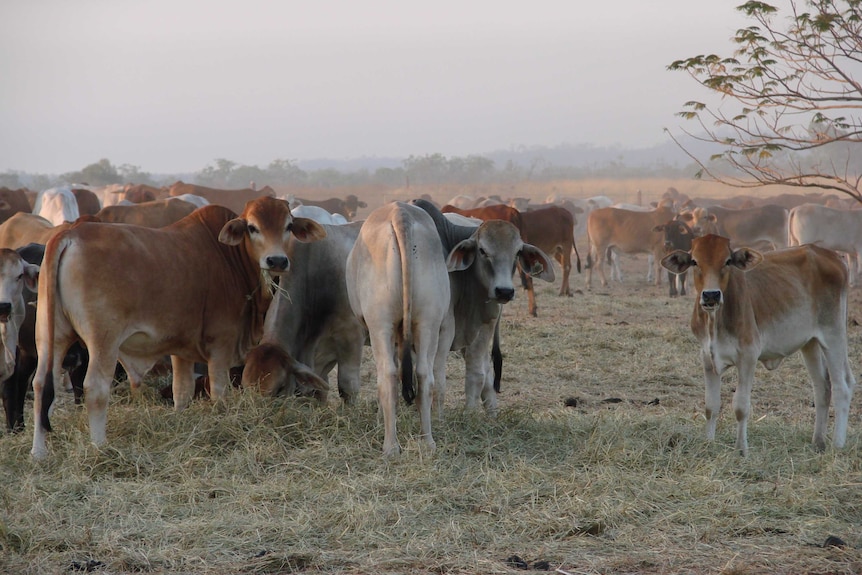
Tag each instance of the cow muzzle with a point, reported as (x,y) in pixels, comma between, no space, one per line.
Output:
(504,294)
(276,264)
(710,300)
(5,311)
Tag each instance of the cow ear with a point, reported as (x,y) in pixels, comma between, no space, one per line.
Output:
(462,256)
(307,230)
(536,263)
(233,232)
(31,277)
(677,261)
(745,258)
(659,228)
(686,216)
(712,218)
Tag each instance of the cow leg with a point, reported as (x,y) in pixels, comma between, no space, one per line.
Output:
(426,350)
(219,375)
(681,279)
(742,401)
(671,282)
(183,382)
(444,344)
(384,349)
(812,354)
(652,274)
(527,282)
(479,382)
(15,390)
(97,391)
(43,396)
(713,396)
(565,261)
(616,269)
(841,383)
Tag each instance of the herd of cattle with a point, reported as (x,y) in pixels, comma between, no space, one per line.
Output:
(288,289)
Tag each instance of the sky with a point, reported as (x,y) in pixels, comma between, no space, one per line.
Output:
(172,85)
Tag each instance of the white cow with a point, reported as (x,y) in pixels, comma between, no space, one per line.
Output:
(318,214)
(398,287)
(57,205)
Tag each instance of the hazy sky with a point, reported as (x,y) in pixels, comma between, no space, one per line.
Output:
(171,85)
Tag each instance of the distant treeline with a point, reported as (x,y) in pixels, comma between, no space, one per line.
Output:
(499,167)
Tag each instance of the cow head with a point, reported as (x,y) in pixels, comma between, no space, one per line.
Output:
(712,260)
(352,204)
(15,274)
(265,225)
(493,251)
(677,235)
(269,368)
(700,221)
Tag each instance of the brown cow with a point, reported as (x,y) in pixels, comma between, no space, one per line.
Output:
(551,229)
(140,193)
(88,202)
(105,285)
(156,214)
(626,231)
(232,199)
(23,228)
(754,307)
(12,202)
(346,207)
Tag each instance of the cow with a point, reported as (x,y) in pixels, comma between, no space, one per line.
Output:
(12,202)
(16,276)
(140,193)
(106,286)
(480,262)
(551,229)
(398,287)
(23,228)
(318,214)
(754,307)
(839,230)
(625,231)
(347,207)
(232,199)
(677,236)
(310,320)
(155,214)
(57,205)
(87,201)
(744,227)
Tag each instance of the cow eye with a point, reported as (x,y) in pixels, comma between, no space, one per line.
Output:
(289,227)
(20,277)
(253,229)
(483,252)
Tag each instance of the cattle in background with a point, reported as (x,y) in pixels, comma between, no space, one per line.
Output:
(677,236)
(310,320)
(140,193)
(198,201)
(398,288)
(551,229)
(580,208)
(754,307)
(232,199)
(839,230)
(318,214)
(480,264)
(625,231)
(12,202)
(23,228)
(745,227)
(57,205)
(156,214)
(462,202)
(346,207)
(88,202)
(16,275)
(104,285)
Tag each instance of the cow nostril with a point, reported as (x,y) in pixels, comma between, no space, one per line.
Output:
(277,262)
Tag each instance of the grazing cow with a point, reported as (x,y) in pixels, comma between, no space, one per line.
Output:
(16,274)
(155,214)
(318,214)
(839,230)
(480,264)
(398,288)
(57,205)
(310,319)
(551,229)
(12,202)
(232,199)
(626,231)
(754,307)
(744,227)
(87,201)
(677,236)
(105,285)
(346,207)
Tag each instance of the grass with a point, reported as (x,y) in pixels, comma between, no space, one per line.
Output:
(622,481)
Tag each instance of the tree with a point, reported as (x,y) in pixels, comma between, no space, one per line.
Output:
(101,173)
(791,101)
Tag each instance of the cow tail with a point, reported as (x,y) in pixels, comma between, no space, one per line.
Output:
(589,251)
(577,256)
(497,356)
(50,275)
(404,237)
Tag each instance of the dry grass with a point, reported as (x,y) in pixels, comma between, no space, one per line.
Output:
(618,483)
